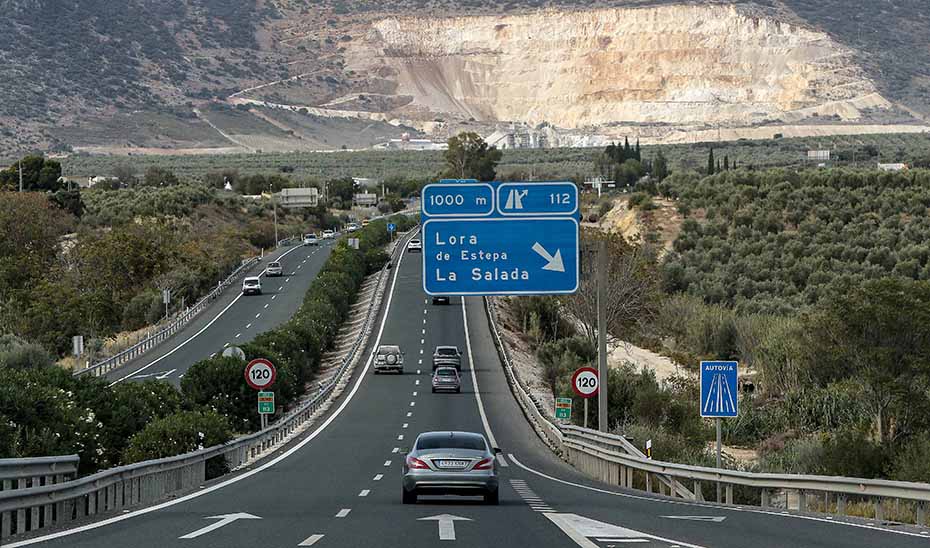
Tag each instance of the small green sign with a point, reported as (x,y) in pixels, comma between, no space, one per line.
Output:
(266,403)
(563,408)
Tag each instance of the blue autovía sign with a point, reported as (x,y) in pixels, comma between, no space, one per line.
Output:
(719,391)
(500,256)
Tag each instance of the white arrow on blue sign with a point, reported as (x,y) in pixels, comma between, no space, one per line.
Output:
(719,390)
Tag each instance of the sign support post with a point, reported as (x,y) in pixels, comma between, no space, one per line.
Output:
(586,412)
(601,335)
(719,448)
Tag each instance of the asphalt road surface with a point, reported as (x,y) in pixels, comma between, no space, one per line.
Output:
(341,487)
(233,318)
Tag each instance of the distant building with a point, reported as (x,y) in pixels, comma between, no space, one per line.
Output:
(522,136)
(364,182)
(366,199)
(406,143)
(299,197)
(892,167)
(818,155)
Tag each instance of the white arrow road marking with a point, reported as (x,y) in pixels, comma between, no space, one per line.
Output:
(311,540)
(446,524)
(165,375)
(555,262)
(224,520)
(579,528)
(715,519)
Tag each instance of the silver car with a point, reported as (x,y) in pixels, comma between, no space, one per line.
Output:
(274,268)
(451,463)
(447,378)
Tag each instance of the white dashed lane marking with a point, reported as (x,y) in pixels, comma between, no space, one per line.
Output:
(364,492)
(377,477)
(248,325)
(387,463)
(343,513)
(238,335)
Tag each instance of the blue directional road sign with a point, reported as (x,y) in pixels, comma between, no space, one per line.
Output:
(719,389)
(500,256)
(534,199)
(391,227)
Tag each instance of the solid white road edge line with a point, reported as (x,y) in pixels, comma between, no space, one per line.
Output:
(195,335)
(718,508)
(362,376)
(474,379)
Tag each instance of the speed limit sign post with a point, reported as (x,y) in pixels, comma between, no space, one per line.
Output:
(585,383)
(261,374)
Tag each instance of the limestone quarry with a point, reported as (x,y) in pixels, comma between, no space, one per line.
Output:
(678,65)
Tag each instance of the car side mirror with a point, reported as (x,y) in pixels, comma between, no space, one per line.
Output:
(404,450)
(496,450)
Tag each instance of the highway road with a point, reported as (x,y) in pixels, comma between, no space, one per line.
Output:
(233,318)
(340,485)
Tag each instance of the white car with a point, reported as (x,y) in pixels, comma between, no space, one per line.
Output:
(352,227)
(415,245)
(311,239)
(252,286)
(328,234)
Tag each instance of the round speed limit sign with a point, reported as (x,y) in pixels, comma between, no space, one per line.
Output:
(585,382)
(260,373)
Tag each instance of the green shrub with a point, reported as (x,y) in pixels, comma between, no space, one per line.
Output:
(218,384)
(178,434)
(912,461)
(19,354)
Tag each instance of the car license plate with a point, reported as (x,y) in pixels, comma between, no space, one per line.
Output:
(452,463)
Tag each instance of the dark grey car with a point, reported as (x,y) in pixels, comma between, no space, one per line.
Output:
(451,463)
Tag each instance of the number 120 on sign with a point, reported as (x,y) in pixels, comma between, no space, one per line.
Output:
(585,382)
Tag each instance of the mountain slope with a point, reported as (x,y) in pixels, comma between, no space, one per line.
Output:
(84,64)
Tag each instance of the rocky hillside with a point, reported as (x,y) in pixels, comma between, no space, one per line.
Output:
(317,74)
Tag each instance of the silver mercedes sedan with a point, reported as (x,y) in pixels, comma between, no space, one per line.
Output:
(451,463)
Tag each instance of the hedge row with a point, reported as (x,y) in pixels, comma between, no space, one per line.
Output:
(44,410)
(296,347)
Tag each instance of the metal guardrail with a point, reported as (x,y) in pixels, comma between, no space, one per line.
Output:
(16,474)
(613,459)
(149,481)
(109,364)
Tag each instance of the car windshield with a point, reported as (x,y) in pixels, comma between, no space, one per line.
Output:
(447,351)
(274,265)
(446,372)
(251,282)
(389,350)
(451,441)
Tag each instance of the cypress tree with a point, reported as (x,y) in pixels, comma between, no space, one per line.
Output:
(710,162)
(726,163)
(627,151)
(639,157)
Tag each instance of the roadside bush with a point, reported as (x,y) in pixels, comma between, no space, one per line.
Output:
(144,309)
(852,454)
(218,384)
(19,354)
(181,433)
(912,461)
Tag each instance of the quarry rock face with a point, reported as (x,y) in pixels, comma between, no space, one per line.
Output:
(678,64)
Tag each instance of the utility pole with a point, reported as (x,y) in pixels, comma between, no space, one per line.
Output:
(602,335)
(274,207)
(20,174)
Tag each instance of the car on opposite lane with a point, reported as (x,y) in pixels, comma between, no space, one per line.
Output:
(328,234)
(311,239)
(450,463)
(275,269)
(440,299)
(449,356)
(252,285)
(447,378)
(415,246)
